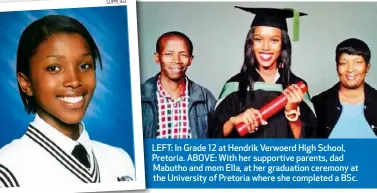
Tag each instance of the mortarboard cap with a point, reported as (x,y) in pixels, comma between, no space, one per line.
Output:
(274,17)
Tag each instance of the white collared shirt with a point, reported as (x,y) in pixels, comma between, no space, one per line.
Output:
(43,157)
(64,142)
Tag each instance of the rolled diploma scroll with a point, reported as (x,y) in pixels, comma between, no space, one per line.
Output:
(270,109)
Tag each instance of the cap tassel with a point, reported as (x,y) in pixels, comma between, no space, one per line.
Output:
(296,25)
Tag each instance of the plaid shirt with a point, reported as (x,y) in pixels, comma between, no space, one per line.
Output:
(172,114)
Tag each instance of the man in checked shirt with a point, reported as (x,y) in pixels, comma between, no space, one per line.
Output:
(174,106)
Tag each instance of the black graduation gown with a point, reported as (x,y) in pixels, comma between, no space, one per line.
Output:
(229,105)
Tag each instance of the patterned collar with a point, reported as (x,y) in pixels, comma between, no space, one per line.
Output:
(60,147)
(164,93)
(64,142)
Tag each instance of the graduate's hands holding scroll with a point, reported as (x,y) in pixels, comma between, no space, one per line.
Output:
(252,118)
(294,95)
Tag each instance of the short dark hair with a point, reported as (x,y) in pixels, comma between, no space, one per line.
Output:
(353,46)
(174,33)
(38,32)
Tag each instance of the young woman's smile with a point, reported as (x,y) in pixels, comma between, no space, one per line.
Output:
(62,78)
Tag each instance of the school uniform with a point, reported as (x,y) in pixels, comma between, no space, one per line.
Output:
(44,156)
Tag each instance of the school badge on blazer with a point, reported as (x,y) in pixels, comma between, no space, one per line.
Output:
(124,178)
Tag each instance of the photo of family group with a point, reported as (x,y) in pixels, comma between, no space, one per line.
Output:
(257,70)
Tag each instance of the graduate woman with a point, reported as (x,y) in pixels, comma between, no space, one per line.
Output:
(56,62)
(265,74)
